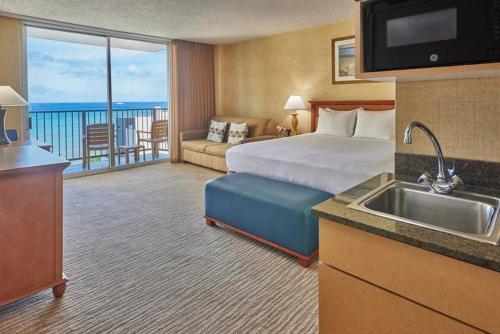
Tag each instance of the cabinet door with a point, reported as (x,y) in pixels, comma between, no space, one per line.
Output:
(27,234)
(452,287)
(349,305)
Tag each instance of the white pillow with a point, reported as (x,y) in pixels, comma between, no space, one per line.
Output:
(376,124)
(336,123)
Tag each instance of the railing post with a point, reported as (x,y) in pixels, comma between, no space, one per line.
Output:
(84,134)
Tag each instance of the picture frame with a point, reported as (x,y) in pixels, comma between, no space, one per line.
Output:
(343,61)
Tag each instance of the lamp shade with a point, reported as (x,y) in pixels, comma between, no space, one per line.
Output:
(9,97)
(294,103)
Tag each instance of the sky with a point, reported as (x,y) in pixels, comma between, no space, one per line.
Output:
(71,72)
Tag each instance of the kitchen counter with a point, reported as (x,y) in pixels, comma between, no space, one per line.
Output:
(470,251)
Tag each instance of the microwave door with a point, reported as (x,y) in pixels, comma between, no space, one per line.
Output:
(415,34)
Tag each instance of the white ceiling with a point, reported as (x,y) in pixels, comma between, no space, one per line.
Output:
(208,21)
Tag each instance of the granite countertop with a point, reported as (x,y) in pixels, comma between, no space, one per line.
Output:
(470,251)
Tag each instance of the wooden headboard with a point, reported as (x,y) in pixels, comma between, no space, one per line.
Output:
(370,105)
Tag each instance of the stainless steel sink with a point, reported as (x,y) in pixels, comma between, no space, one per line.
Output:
(461,213)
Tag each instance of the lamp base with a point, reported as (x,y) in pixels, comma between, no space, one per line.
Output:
(295,123)
(4,140)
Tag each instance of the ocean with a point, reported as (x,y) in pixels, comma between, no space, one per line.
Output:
(67,106)
(63,124)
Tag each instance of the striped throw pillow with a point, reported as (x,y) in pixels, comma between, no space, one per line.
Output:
(217,131)
(237,132)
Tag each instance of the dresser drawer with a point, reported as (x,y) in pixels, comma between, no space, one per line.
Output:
(455,288)
(349,305)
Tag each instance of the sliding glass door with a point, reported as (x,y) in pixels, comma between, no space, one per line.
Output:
(67,89)
(99,101)
(139,96)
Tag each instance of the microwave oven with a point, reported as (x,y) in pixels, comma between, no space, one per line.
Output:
(405,34)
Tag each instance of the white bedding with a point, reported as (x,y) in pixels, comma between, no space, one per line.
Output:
(332,164)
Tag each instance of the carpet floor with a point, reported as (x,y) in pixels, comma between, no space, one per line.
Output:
(140,259)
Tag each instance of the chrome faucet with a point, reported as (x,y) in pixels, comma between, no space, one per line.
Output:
(442,184)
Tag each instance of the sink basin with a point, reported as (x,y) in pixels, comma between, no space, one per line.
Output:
(461,213)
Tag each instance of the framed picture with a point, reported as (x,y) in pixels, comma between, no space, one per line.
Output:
(343,55)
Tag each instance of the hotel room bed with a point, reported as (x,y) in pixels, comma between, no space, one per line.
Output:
(324,162)
(328,163)
(313,165)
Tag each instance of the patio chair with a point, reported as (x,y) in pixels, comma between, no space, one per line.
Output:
(96,138)
(157,135)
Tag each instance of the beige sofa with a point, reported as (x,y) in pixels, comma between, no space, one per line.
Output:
(195,148)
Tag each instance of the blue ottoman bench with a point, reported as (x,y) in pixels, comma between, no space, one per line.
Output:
(273,212)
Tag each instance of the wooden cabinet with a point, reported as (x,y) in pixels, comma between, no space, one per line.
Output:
(30,222)
(350,305)
(411,290)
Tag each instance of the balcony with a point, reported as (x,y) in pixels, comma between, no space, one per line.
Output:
(66,130)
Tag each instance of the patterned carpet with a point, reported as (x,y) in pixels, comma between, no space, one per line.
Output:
(141,260)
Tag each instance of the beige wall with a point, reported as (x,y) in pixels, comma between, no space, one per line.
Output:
(464,114)
(11,61)
(255,78)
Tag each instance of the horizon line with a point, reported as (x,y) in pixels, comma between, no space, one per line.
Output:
(101,102)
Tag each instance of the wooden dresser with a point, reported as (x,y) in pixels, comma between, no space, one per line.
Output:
(31,222)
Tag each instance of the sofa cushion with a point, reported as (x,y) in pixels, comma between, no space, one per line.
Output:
(218,150)
(270,128)
(198,145)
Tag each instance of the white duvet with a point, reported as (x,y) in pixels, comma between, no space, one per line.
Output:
(332,164)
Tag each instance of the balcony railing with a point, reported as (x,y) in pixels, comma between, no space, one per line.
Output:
(65,129)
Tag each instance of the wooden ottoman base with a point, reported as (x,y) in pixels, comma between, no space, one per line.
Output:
(304,261)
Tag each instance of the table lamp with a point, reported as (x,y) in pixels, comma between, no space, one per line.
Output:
(294,103)
(8,98)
